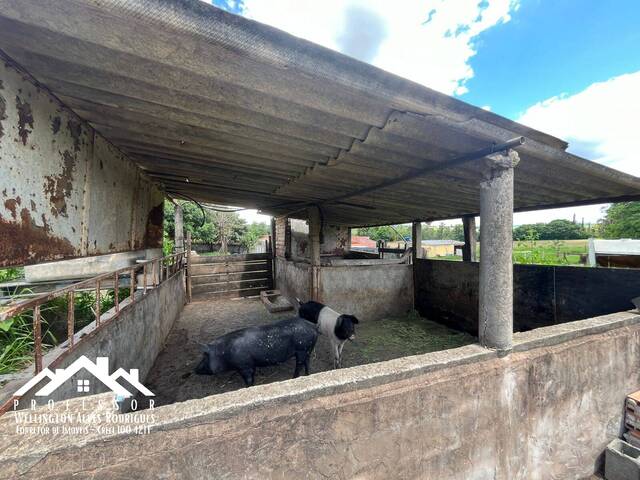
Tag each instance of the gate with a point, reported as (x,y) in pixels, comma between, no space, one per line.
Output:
(231,275)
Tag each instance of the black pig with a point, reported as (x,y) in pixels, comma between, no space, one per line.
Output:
(245,349)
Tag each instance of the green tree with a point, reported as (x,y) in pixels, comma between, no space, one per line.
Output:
(386,232)
(253,233)
(554,230)
(225,228)
(622,220)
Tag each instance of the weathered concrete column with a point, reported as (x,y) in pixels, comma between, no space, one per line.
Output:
(178,234)
(416,239)
(469,249)
(496,245)
(314,252)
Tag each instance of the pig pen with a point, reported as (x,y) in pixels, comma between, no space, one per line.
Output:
(172,378)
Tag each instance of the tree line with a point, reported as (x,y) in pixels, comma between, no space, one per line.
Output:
(620,220)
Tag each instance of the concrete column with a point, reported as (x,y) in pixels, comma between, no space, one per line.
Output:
(496,245)
(416,239)
(314,252)
(179,229)
(469,249)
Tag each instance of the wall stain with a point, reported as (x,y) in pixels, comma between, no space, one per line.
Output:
(153,231)
(59,187)
(25,117)
(55,125)
(75,129)
(36,243)
(12,204)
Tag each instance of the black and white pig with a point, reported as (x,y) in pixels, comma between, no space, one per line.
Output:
(245,349)
(337,327)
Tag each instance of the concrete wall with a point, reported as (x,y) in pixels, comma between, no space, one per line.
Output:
(369,292)
(447,292)
(292,278)
(64,190)
(132,340)
(336,239)
(546,411)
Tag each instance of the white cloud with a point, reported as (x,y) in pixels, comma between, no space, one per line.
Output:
(600,124)
(427,41)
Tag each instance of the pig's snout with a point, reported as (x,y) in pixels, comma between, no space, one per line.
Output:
(352,337)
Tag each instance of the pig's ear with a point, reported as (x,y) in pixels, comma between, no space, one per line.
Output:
(354,319)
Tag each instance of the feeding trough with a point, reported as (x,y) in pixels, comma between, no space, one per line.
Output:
(274,301)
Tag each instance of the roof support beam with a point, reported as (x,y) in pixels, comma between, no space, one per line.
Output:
(461,160)
(496,250)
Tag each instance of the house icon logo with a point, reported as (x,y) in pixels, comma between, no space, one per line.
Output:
(99,370)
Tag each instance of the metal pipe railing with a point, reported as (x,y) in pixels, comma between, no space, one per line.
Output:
(172,264)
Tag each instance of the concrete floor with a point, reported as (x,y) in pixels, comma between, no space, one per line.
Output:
(203,320)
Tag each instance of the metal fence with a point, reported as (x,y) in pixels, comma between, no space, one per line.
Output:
(154,272)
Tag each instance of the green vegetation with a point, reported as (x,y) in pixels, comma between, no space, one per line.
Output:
(16,340)
(16,333)
(219,228)
(622,220)
(554,230)
(8,274)
(550,252)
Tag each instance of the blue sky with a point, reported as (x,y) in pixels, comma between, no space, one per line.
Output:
(570,68)
(551,47)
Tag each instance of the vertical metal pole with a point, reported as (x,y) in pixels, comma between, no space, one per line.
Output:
(144,278)
(116,291)
(132,284)
(37,338)
(97,303)
(188,267)
(313,214)
(496,250)
(70,317)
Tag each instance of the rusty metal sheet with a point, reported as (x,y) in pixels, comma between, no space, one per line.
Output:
(64,190)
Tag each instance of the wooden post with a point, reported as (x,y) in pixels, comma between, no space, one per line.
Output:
(416,241)
(188,279)
(314,251)
(470,241)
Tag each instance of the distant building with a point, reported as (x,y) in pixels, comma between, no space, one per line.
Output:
(441,248)
(362,243)
(624,253)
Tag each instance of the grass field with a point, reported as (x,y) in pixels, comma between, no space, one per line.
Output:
(542,252)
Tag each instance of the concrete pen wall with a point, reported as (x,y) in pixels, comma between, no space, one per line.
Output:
(447,292)
(547,410)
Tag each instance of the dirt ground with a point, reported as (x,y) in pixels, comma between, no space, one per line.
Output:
(172,380)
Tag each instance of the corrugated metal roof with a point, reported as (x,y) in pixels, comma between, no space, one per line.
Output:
(623,246)
(255,117)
